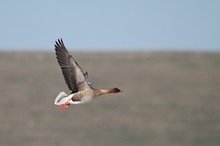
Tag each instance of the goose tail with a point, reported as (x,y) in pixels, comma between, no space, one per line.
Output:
(59,97)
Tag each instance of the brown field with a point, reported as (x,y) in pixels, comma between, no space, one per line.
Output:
(169,99)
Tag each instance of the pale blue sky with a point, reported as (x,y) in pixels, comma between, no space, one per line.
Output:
(110,24)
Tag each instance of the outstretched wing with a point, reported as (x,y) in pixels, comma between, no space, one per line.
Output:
(72,72)
(87,79)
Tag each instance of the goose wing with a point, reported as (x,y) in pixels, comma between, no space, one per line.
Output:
(72,72)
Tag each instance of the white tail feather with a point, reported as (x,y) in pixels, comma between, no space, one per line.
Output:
(59,97)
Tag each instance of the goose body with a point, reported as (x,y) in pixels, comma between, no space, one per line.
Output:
(78,83)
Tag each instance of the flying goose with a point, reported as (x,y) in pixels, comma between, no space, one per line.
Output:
(78,83)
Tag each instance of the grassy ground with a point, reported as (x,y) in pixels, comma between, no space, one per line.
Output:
(168,99)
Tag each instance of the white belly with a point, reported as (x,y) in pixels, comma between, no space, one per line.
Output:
(83,100)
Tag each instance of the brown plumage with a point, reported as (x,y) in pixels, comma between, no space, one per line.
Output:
(77,81)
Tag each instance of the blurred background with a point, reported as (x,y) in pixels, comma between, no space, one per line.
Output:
(164,55)
(110,25)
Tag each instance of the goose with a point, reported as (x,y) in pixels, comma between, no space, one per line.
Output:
(81,89)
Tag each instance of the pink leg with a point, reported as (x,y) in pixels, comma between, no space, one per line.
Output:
(65,104)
